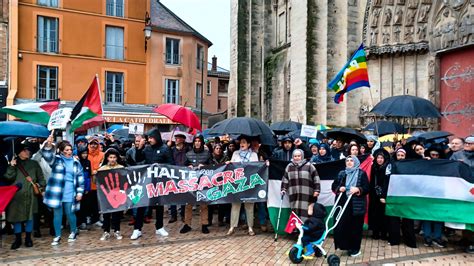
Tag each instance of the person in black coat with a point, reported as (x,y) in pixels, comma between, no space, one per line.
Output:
(313,227)
(352,180)
(377,219)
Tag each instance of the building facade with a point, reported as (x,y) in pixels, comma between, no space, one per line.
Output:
(3,55)
(217,88)
(58,46)
(284,53)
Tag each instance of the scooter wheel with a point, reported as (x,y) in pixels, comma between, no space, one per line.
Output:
(293,255)
(333,260)
(318,253)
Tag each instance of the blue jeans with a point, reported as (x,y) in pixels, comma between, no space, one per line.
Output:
(262,213)
(28,227)
(432,230)
(58,218)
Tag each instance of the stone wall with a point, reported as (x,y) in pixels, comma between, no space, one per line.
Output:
(232,92)
(3,40)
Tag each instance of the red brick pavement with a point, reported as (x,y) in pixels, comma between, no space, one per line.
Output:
(213,249)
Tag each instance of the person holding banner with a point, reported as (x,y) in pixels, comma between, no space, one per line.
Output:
(155,152)
(352,180)
(112,160)
(196,158)
(301,182)
(244,155)
(65,187)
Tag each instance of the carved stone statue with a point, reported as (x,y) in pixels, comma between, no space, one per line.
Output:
(412,4)
(421,31)
(387,17)
(409,34)
(396,33)
(398,16)
(401,2)
(373,36)
(386,36)
(423,15)
(377,2)
(375,17)
(466,29)
(410,20)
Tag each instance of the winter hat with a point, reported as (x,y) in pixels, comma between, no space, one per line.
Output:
(469,139)
(319,211)
(20,147)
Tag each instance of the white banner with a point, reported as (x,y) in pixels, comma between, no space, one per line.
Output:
(136,129)
(309,131)
(59,118)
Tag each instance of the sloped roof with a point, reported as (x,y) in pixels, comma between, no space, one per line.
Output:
(164,19)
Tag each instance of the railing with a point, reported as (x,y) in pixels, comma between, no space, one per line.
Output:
(42,93)
(47,45)
(173,59)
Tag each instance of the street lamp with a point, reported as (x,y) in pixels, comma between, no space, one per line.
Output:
(147,29)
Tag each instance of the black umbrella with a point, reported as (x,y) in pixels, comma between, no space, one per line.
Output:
(244,126)
(406,106)
(123,133)
(346,134)
(284,127)
(434,135)
(385,128)
(297,134)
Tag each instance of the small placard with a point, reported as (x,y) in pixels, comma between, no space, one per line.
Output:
(136,129)
(59,118)
(309,131)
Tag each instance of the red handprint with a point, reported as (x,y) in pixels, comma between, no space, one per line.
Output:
(115,196)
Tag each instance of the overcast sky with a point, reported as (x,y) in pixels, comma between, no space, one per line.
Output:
(211,18)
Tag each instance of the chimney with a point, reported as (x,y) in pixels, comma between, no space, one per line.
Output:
(214,63)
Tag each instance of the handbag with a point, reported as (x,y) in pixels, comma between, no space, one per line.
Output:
(378,189)
(36,189)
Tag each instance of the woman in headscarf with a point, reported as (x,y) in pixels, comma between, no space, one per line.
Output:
(324,154)
(377,219)
(373,143)
(301,182)
(352,180)
(314,152)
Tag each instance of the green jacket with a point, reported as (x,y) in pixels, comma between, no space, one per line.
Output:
(24,203)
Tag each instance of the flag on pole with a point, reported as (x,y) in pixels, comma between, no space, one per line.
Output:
(88,111)
(431,190)
(6,195)
(37,112)
(352,76)
(291,225)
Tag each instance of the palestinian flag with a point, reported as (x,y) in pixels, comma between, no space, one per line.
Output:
(6,195)
(38,112)
(431,190)
(327,173)
(88,111)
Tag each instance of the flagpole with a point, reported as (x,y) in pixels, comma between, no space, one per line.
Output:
(100,97)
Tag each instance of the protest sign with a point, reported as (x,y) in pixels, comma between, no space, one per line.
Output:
(309,131)
(59,118)
(136,129)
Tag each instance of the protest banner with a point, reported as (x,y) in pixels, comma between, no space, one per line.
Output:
(135,129)
(162,184)
(59,118)
(309,131)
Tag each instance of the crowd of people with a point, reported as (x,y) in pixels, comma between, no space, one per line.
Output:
(56,178)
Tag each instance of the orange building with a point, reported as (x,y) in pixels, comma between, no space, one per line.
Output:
(217,88)
(58,46)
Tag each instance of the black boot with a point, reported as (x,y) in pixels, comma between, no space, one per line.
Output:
(28,241)
(204,229)
(17,242)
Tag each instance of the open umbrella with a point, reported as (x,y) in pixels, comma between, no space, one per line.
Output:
(179,114)
(406,106)
(284,127)
(297,134)
(434,135)
(346,134)
(244,126)
(23,129)
(389,137)
(385,127)
(167,135)
(322,127)
(123,133)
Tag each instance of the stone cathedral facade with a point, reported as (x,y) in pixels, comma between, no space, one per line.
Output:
(284,53)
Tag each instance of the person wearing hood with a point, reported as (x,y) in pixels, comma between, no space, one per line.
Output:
(324,154)
(288,146)
(313,227)
(301,183)
(338,150)
(25,173)
(80,144)
(352,180)
(179,151)
(83,154)
(373,143)
(155,152)
(314,148)
(96,156)
(195,159)
(378,177)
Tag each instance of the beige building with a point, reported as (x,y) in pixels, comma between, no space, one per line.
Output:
(284,53)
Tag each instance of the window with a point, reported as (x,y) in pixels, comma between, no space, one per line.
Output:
(199,57)
(47,35)
(114,87)
(281,28)
(172,51)
(208,89)
(114,8)
(172,91)
(198,95)
(219,104)
(47,83)
(114,43)
(50,3)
